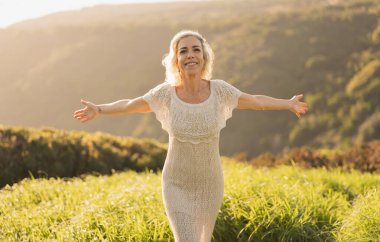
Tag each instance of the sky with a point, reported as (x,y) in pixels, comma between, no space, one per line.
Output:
(13,11)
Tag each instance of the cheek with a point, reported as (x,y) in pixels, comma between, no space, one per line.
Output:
(203,60)
(180,59)
(202,57)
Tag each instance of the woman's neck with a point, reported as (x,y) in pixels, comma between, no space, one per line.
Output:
(191,84)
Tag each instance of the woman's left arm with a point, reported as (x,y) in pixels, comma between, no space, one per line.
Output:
(261,102)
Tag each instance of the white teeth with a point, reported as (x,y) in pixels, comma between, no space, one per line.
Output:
(191,64)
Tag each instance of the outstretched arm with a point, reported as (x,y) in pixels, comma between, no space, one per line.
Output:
(261,102)
(124,106)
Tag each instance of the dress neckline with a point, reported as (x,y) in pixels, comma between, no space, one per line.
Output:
(194,104)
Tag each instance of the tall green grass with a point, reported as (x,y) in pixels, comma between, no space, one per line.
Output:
(278,204)
(293,204)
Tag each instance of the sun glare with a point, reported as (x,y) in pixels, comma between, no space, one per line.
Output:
(13,11)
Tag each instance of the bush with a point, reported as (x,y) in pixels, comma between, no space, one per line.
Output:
(49,152)
(364,157)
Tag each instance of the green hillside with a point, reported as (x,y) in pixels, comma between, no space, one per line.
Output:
(327,50)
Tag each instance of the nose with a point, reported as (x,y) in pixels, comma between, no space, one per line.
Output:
(190,54)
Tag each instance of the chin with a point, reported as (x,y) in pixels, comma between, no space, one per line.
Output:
(193,72)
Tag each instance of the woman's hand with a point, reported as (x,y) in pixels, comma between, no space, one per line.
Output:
(88,113)
(298,107)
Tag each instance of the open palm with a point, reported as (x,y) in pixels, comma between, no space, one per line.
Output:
(86,114)
(298,107)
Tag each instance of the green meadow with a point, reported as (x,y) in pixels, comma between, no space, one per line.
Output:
(99,187)
(284,203)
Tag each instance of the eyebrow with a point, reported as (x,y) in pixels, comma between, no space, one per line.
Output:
(192,47)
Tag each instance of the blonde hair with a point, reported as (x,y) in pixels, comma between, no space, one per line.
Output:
(170,60)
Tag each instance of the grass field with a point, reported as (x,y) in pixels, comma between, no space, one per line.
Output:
(279,204)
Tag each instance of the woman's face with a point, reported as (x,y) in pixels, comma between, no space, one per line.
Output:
(190,55)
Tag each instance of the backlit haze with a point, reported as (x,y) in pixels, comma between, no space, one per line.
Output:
(13,11)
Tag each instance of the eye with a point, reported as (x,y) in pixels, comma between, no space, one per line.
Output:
(182,51)
(197,50)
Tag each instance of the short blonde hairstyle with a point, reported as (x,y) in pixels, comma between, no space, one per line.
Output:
(170,60)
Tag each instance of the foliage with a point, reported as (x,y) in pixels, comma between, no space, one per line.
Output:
(363,157)
(48,152)
(362,222)
(280,204)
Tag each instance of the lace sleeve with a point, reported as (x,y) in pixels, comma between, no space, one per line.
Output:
(158,100)
(229,97)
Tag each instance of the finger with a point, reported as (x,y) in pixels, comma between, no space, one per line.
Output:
(83,120)
(84,102)
(79,117)
(303,106)
(79,111)
(80,114)
(89,104)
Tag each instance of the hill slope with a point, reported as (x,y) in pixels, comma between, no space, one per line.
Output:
(330,53)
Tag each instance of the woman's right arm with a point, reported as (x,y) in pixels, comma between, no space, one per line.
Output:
(124,106)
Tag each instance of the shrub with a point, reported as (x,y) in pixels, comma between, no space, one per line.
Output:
(364,157)
(49,152)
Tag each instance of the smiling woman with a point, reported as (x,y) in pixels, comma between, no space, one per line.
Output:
(198,45)
(193,109)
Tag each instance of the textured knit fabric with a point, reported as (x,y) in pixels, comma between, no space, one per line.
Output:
(192,177)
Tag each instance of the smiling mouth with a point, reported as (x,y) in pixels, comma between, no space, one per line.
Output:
(191,64)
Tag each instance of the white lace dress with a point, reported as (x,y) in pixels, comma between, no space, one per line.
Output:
(192,177)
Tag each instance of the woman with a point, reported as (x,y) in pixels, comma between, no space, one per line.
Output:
(192,109)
